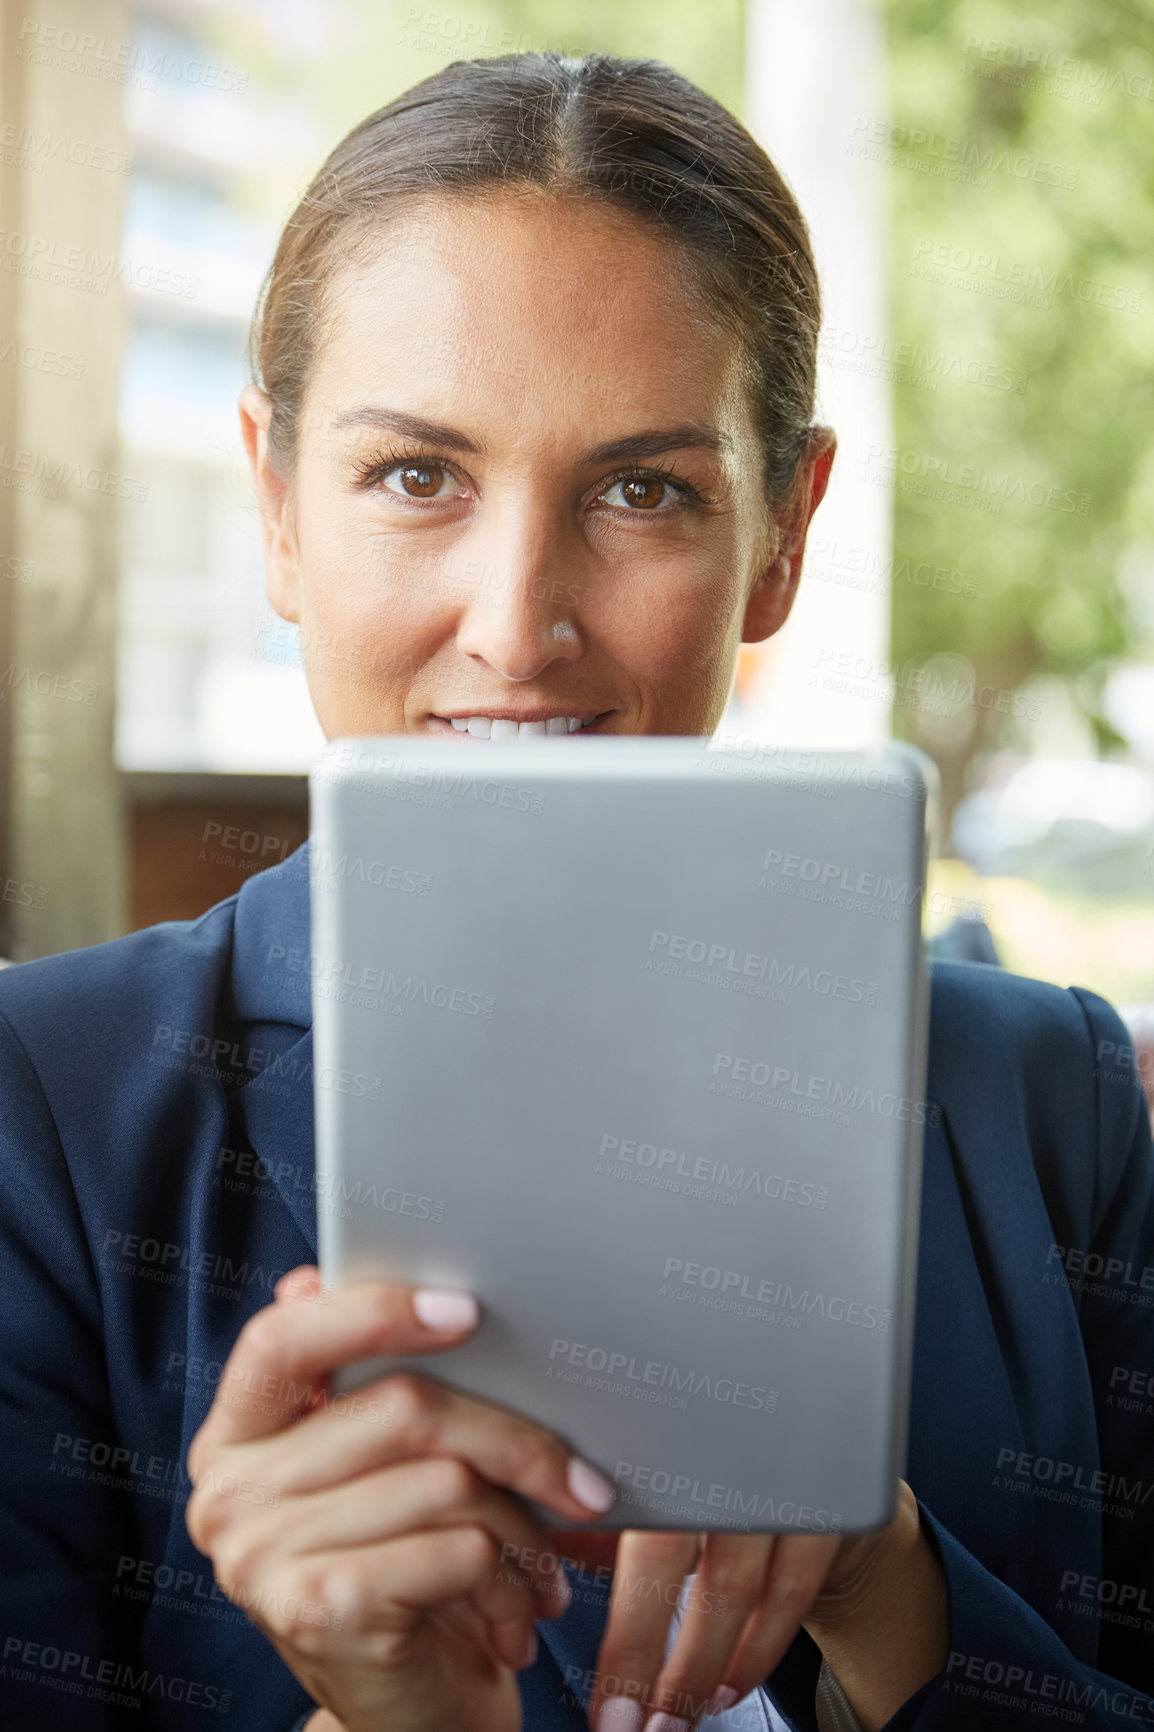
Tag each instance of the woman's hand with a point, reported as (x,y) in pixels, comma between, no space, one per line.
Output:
(368,1535)
(874,1603)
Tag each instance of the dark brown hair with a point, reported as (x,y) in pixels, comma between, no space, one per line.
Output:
(632,134)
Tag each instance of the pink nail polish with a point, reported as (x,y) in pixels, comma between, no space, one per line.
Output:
(438,1308)
(723,1697)
(619,1714)
(666,1723)
(590,1487)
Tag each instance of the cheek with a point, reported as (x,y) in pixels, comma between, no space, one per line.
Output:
(678,621)
(362,592)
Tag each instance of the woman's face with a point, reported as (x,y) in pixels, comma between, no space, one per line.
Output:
(527,484)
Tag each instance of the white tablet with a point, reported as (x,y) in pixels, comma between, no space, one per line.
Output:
(626,1036)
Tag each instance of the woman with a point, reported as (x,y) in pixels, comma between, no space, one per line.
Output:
(533,447)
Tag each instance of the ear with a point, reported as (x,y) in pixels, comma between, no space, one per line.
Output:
(775,586)
(282,577)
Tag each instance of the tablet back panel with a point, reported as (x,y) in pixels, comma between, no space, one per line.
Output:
(626,1036)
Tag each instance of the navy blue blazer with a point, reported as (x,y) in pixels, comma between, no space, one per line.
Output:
(156,1178)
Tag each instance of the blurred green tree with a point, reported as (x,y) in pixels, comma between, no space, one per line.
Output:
(1022,153)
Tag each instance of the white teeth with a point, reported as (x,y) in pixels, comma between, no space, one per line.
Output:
(504,728)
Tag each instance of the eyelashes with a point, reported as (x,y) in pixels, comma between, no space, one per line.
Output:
(370,472)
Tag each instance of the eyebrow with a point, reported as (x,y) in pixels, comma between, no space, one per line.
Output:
(653,442)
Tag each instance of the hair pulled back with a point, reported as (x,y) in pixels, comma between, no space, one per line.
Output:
(632,134)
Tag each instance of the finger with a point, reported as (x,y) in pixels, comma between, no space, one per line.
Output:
(303,1282)
(797,1569)
(432,1492)
(407,1414)
(646,1584)
(386,1590)
(289,1347)
(728,1586)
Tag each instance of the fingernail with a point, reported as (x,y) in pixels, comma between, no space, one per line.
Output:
(438,1308)
(530,1658)
(666,1723)
(723,1697)
(562,1591)
(590,1487)
(619,1714)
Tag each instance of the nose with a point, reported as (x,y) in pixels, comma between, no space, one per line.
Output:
(519,610)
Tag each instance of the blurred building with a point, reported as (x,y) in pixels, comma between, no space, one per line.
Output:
(207,679)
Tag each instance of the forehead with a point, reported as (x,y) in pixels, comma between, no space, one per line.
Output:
(564,306)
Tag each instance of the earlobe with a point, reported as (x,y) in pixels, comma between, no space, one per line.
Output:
(273,503)
(775,589)
(771,599)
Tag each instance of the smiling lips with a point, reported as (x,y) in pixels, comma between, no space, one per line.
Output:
(482,727)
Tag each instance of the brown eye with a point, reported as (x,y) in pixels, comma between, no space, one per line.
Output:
(643,492)
(418,480)
(652,493)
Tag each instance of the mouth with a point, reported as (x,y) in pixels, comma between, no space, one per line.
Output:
(506,725)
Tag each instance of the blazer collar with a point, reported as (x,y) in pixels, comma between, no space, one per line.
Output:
(270,961)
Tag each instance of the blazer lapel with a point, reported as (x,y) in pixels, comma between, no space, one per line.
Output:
(275,1111)
(998,1374)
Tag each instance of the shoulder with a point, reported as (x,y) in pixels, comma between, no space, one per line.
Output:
(1025,1070)
(87,1010)
(1010,1026)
